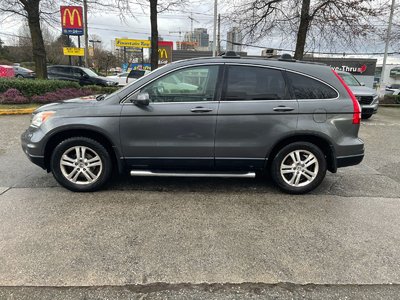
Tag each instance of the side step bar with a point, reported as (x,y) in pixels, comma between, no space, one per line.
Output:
(188,174)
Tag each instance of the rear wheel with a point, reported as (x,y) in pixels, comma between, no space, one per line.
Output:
(81,164)
(298,168)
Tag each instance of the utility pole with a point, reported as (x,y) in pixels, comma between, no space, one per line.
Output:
(86,35)
(219,35)
(215,29)
(383,83)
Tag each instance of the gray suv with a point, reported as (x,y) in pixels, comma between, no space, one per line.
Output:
(221,117)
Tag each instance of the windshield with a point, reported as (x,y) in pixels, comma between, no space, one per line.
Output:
(90,72)
(349,79)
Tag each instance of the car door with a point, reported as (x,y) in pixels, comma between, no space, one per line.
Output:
(255,112)
(177,129)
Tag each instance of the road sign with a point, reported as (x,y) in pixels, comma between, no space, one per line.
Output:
(71,51)
(130,43)
(71,20)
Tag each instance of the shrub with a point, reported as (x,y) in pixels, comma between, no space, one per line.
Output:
(62,94)
(29,87)
(97,89)
(390,99)
(13,96)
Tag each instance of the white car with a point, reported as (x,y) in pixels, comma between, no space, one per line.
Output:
(120,78)
(393,89)
(128,77)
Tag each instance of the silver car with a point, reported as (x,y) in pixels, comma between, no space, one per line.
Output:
(214,117)
(367,97)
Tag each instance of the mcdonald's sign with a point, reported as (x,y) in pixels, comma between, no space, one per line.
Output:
(71,20)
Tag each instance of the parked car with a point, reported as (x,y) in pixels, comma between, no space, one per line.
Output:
(136,74)
(293,119)
(367,97)
(120,78)
(83,76)
(6,71)
(393,89)
(21,72)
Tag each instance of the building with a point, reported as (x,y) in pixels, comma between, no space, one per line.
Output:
(198,36)
(232,37)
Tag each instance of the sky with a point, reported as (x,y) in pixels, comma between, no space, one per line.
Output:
(108,26)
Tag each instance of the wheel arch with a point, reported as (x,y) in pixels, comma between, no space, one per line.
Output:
(323,143)
(100,137)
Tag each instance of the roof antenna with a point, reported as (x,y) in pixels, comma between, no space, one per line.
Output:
(230,54)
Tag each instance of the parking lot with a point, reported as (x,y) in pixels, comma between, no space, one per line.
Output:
(203,238)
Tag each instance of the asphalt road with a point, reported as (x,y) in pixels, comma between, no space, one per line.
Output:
(169,238)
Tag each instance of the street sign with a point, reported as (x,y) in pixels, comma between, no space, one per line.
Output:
(71,51)
(71,20)
(130,43)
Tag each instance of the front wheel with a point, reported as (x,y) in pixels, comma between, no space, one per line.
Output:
(81,164)
(298,168)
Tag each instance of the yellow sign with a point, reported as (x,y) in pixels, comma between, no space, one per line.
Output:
(74,51)
(132,43)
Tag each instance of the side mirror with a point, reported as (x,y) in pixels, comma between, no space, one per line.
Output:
(142,99)
(85,76)
(362,83)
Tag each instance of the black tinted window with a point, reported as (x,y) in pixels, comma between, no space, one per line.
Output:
(136,74)
(254,83)
(308,88)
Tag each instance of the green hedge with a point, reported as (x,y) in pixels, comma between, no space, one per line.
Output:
(390,99)
(101,89)
(30,87)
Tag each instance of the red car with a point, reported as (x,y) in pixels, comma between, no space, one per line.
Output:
(6,71)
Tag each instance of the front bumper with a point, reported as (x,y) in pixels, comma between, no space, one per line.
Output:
(369,109)
(32,149)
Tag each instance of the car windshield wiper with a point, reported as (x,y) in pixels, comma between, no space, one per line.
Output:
(100,97)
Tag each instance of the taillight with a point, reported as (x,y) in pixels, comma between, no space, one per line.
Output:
(356,105)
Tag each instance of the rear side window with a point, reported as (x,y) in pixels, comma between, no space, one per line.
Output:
(307,88)
(254,83)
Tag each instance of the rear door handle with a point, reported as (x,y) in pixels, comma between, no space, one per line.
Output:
(283,108)
(201,110)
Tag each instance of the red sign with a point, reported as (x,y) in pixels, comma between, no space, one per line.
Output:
(71,20)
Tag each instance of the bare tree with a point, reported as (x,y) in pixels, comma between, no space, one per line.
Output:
(324,21)
(32,11)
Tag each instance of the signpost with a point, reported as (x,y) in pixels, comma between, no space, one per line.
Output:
(72,24)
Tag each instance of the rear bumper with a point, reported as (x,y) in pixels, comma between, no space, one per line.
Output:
(351,160)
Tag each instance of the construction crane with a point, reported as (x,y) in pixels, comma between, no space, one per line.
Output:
(191,25)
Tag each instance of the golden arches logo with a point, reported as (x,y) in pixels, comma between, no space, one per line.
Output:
(162,53)
(71,17)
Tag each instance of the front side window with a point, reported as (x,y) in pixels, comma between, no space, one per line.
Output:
(187,85)
(254,83)
(308,88)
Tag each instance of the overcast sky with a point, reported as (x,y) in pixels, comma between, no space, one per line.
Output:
(109,26)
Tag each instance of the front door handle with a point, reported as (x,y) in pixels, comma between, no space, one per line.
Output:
(200,109)
(283,108)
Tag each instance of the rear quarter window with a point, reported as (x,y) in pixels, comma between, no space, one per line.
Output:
(308,88)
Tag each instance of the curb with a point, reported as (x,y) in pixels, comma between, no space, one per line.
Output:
(17,111)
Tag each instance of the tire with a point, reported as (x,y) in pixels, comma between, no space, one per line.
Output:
(366,116)
(309,176)
(19,76)
(89,167)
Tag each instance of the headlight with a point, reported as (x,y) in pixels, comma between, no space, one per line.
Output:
(110,83)
(41,117)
